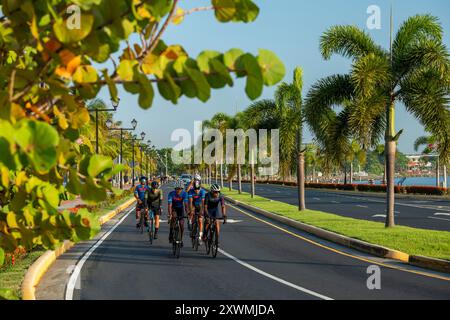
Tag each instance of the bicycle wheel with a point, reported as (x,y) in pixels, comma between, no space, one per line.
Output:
(151,232)
(193,233)
(196,236)
(142,222)
(178,242)
(174,240)
(215,242)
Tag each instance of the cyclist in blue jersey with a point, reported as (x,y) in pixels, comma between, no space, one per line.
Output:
(178,204)
(197,204)
(212,201)
(139,193)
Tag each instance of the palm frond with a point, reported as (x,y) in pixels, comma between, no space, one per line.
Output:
(348,41)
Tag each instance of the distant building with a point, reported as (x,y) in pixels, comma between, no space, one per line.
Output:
(415,163)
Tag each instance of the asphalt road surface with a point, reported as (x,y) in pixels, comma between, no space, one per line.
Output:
(259,259)
(418,213)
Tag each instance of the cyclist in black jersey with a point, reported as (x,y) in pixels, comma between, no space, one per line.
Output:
(154,199)
(212,201)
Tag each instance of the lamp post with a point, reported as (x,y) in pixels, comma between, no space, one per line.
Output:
(133,139)
(114,104)
(109,124)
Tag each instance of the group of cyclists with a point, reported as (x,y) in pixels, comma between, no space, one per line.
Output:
(192,202)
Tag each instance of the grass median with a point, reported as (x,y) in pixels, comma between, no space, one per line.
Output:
(430,243)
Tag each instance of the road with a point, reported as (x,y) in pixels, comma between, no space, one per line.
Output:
(418,213)
(260,259)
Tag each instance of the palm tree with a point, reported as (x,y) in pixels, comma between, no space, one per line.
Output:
(415,71)
(289,99)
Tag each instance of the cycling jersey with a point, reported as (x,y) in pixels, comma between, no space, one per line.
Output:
(140,191)
(177,200)
(154,198)
(212,202)
(197,197)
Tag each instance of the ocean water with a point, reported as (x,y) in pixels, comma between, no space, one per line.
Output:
(410,181)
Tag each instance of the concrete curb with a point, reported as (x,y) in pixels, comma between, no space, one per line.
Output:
(37,270)
(376,250)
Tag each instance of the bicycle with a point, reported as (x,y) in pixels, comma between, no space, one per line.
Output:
(151,227)
(195,233)
(212,238)
(176,237)
(141,220)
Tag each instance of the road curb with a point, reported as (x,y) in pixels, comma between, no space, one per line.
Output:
(430,263)
(37,270)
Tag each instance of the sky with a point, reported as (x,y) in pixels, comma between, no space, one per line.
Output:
(291,29)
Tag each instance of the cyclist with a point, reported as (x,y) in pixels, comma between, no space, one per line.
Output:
(154,199)
(212,201)
(197,204)
(191,184)
(140,193)
(178,205)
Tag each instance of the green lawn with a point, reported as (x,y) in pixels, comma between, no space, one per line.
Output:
(11,277)
(413,241)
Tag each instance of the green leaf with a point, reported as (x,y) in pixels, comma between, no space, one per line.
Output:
(8,294)
(85,74)
(224,9)
(98,164)
(38,140)
(254,84)
(68,33)
(126,69)
(146,93)
(272,67)
(169,89)
(2,257)
(201,84)
(247,11)
(231,57)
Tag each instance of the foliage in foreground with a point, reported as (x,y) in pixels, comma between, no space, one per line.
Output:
(47,72)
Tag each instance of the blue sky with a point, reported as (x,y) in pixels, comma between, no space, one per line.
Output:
(290,28)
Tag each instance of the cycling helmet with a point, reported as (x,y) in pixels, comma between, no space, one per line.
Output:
(197,185)
(155,184)
(179,184)
(143,178)
(197,177)
(215,187)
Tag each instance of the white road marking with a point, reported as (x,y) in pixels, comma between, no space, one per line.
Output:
(361,206)
(439,218)
(379,216)
(316,198)
(268,275)
(441,214)
(77,270)
(334,201)
(233,221)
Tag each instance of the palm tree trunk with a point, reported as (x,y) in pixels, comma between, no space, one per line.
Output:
(351,172)
(345,173)
(221,175)
(390,149)
(252,175)
(438,174)
(239,179)
(301,181)
(445,176)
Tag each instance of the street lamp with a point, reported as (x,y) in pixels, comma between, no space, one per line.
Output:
(115,105)
(133,139)
(109,124)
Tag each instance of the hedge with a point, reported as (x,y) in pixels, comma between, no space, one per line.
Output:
(428,190)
